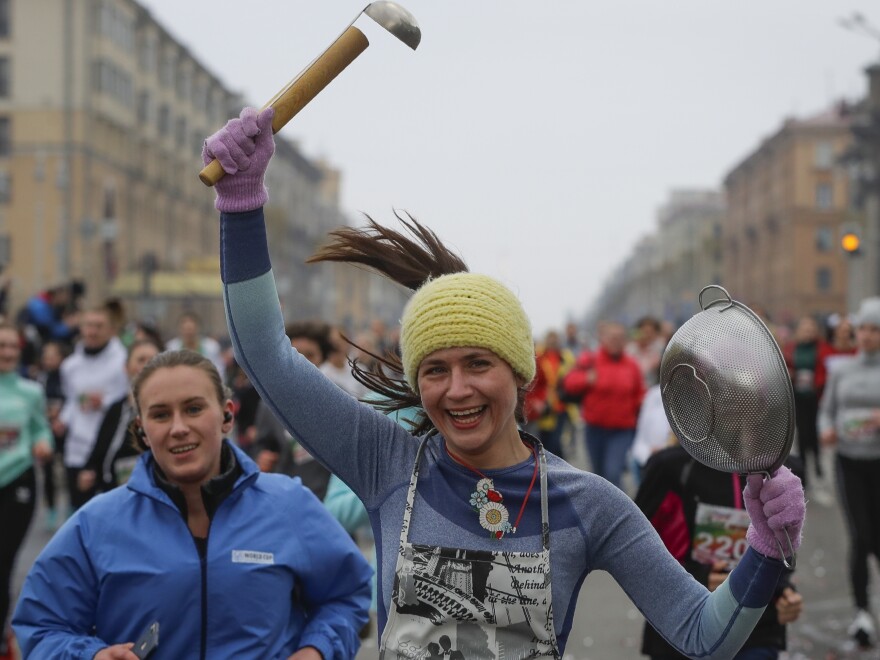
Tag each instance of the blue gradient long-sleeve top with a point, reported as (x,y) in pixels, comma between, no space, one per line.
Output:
(593,525)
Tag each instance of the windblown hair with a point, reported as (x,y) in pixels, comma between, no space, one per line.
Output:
(411,259)
(408,260)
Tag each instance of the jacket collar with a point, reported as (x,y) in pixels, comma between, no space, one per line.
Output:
(236,470)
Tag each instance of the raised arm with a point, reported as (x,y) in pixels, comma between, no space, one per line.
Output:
(349,438)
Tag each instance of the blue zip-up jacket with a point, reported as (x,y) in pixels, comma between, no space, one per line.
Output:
(279,574)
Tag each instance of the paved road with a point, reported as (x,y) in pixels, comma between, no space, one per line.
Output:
(607,626)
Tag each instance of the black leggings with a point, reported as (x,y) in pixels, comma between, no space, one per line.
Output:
(77,497)
(17,500)
(859,482)
(806,409)
(49,486)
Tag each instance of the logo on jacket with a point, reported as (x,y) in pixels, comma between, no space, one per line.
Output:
(252,557)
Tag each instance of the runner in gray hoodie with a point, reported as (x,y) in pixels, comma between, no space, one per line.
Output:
(849,417)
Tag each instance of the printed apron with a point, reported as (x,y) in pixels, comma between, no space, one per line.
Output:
(470,604)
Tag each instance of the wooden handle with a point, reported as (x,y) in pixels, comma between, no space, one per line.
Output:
(302,89)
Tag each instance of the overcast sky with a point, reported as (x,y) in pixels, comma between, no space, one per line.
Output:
(538,138)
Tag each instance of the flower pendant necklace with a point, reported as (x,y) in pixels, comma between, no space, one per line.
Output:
(487,501)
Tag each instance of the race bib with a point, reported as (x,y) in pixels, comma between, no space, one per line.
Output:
(859,425)
(720,535)
(804,380)
(8,436)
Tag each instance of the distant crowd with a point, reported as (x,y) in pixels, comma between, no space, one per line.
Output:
(598,392)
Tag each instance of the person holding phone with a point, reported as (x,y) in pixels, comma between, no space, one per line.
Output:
(231,562)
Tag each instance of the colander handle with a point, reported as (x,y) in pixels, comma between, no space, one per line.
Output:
(717,300)
(789,565)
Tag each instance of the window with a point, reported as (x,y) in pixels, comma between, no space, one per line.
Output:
(109,205)
(824,239)
(5,136)
(824,155)
(114,24)
(823,279)
(144,108)
(164,122)
(198,141)
(5,187)
(149,53)
(184,84)
(4,19)
(169,64)
(110,79)
(200,95)
(824,197)
(180,131)
(5,86)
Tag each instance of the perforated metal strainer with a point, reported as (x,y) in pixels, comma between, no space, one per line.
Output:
(726,389)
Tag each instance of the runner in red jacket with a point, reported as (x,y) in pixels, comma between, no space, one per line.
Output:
(611,386)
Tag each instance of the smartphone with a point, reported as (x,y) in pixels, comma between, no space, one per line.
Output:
(148,641)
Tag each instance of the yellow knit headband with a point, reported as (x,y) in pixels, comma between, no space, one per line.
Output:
(465,309)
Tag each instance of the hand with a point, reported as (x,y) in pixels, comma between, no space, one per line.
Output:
(244,147)
(85,480)
(776,508)
(116,652)
(828,437)
(42,452)
(71,319)
(307,653)
(789,606)
(59,428)
(717,575)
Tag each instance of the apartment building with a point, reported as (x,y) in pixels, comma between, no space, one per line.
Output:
(102,118)
(667,269)
(786,205)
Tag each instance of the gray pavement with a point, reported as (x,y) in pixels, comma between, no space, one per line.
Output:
(607,625)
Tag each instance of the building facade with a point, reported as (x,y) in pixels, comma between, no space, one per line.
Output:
(786,206)
(862,162)
(666,270)
(102,119)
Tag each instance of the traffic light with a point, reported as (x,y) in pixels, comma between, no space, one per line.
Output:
(851,241)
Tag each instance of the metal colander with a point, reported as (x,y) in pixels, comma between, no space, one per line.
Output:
(726,389)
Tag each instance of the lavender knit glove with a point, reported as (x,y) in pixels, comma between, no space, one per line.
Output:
(244,147)
(776,507)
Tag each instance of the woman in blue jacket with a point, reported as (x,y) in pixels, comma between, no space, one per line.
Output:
(229,561)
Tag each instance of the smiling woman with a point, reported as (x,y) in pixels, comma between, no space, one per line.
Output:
(477,586)
(198,540)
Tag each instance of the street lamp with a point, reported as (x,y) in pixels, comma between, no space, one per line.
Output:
(863,159)
(857,23)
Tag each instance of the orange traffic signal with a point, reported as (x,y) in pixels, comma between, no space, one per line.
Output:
(851,242)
